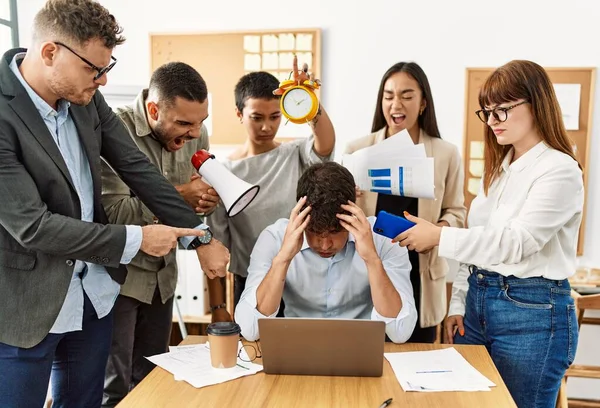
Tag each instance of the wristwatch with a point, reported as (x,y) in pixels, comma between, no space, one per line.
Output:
(203,240)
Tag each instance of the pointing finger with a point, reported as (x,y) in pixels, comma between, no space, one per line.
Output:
(184,232)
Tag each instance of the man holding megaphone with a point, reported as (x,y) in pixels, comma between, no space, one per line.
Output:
(166,123)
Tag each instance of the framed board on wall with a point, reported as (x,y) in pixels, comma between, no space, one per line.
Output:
(574,88)
(223,57)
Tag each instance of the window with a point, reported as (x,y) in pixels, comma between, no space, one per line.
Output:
(9,31)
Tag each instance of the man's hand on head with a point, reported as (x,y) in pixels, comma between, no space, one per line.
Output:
(359,226)
(294,233)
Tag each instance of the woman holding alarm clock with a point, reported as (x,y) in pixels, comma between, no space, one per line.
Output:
(404,101)
(260,103)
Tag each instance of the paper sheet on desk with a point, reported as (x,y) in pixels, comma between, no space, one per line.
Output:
(394,166)
(436,370)
(192,365)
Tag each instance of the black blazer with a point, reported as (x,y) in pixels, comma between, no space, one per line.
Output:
(41,232)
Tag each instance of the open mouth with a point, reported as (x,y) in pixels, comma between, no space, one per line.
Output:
(398,118)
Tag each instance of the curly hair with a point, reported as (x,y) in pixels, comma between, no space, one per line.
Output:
(326,186)
(76,21)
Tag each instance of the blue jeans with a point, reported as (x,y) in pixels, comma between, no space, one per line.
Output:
(528,326)
(77,361)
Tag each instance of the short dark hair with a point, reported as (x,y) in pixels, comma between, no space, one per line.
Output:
(178,79)
(326,186)
(257,85)
(427,121)
(77,21)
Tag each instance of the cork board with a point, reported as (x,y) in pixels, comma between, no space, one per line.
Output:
(223,57)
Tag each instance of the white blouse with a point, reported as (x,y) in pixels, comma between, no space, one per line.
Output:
(526,226)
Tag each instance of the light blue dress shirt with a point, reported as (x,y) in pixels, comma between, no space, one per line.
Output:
(101,289)
(336,287)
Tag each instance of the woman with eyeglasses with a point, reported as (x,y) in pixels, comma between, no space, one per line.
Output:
(511,293)
(404,101)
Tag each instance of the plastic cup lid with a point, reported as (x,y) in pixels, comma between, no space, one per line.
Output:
(223,329)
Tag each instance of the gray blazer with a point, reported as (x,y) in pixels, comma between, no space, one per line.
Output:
(41,232)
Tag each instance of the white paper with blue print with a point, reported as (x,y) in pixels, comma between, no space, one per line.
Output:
(395,166)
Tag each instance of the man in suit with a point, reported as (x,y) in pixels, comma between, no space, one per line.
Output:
(60,263)
(166,123)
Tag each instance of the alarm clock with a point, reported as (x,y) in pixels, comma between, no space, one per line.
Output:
(298,103)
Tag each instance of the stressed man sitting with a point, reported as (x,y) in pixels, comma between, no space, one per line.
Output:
(326,263)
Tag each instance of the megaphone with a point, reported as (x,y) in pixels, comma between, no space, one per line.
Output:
(235,193)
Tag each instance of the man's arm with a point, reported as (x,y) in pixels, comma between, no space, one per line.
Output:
(220,229)
(388,269)
(268,295)
(396,266)
(247,312)
(386,299)
(27,218)
(216,299)
(219,222)
(139,174)
(120,206)
(321,124)
(198,194)
(269,263)
(161,198)
(324,133)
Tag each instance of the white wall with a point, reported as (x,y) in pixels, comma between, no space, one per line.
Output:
(359,44)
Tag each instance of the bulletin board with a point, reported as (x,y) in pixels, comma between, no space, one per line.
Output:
(223,57)
(574,88)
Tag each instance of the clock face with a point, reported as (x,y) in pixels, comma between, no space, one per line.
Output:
(297,103)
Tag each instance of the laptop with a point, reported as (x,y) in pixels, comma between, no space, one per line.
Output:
(332,347)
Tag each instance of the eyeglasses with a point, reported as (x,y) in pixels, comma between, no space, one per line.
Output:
(101,70)
(500,114)
(251,352)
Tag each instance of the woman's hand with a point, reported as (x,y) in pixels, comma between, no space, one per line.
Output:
(453,323)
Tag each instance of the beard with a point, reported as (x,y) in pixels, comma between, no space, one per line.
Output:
(161,134)
(169,143)
(64,90)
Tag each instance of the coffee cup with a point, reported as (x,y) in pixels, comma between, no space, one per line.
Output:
(223,338)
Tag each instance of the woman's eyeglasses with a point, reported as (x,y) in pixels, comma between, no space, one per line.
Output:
(500,114)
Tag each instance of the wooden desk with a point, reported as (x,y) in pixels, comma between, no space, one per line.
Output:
(159,389)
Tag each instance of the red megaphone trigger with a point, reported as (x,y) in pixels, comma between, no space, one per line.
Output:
(200,157)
